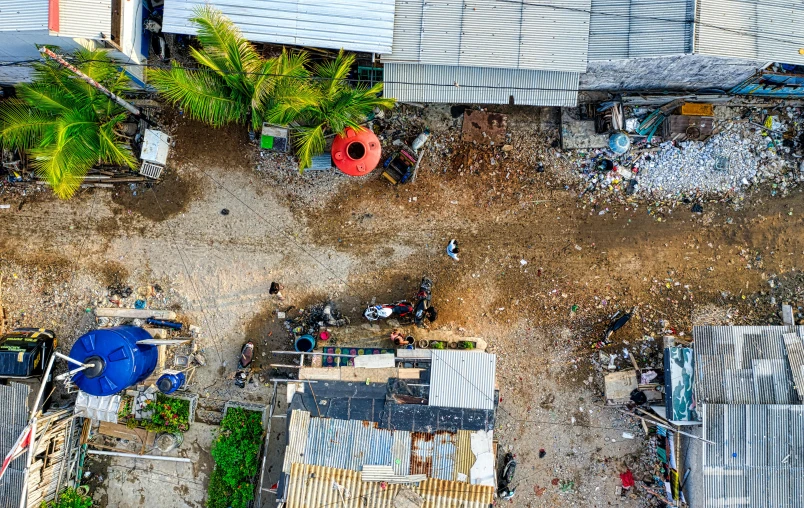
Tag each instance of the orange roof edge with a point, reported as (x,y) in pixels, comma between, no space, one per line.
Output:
(53,15)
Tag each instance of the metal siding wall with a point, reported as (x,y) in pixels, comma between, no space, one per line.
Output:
(22,15)
(435,83)
(358,25)
(88,19)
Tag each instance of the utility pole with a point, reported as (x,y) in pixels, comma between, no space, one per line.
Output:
(134,111)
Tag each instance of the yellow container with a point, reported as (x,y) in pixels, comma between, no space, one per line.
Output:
(697,109)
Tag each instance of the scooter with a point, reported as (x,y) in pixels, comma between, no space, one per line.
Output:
(244,365)
(504,489)
(396,310)
(423,310)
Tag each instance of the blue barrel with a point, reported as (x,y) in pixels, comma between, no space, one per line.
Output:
(119,361)
(170,381)
(304,344)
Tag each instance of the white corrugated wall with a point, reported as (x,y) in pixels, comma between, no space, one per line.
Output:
(478,85)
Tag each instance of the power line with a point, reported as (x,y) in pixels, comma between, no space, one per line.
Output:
(215,334)
(287,236)
(685,21)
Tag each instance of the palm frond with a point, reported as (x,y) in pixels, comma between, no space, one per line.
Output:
(96,64)
(293,100)
(202,95)
(44,97)
(22,126)
(110,149)
(309,141)
(225,50)
(333,73)
(61,167)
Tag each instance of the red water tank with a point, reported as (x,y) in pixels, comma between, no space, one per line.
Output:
(356,153)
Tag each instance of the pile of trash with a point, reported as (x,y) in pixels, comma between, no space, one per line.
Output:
(739,154)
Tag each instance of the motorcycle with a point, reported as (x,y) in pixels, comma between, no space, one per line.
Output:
(244,364)
(423,310)
(504,489)
(396,310)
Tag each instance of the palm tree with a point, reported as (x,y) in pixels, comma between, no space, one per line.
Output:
(235,82)
(324,104)
(66,125)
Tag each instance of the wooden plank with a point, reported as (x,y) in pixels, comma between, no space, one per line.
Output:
(134,313)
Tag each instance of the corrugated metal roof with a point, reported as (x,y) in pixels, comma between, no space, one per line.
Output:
(757,458)
(640,28)
(479,85)
(795,357)
(352,444)
(743,365)
(462,379)
(768,30)
(13,419)
(312,486)
(345,444)
(551,35)
(355,25)
(88,19)
(19,15)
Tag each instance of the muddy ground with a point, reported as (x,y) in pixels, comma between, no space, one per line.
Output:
(540,272)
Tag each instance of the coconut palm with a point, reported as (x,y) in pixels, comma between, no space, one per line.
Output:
(235,82)
(66,125)
(323,105)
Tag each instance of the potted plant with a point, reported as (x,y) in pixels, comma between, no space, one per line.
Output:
(466,344)
(437,345)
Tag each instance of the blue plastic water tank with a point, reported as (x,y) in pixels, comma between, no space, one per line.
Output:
(170,381)
(119,361)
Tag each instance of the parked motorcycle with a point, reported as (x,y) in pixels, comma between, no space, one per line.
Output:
(423,309)
(398,310)
(504,488)
(244,364)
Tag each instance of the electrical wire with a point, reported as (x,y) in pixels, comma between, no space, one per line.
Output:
(214,333)
(666,20)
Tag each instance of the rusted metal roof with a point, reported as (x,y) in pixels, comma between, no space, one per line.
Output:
(462,379)
(353,444)
(311,486)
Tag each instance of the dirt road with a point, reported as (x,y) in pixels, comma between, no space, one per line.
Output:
(539,273)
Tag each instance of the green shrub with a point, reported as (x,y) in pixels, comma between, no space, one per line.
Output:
(436,345)
(69,498)
(235,450)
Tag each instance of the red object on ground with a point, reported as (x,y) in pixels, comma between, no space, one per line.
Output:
(356,153)
(627,479)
